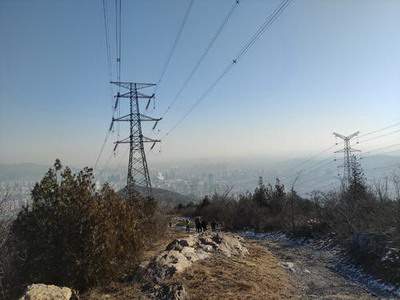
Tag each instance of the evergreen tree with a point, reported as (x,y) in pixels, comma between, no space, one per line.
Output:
(357,187)
(278,197)
(73,235)
(260,194)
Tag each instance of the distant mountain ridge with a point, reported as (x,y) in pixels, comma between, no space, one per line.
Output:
(165,198)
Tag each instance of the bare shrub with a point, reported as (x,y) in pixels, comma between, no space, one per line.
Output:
(5,221)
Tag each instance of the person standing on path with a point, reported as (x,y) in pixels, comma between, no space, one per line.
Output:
(198,224)
(187,225)
(204,225)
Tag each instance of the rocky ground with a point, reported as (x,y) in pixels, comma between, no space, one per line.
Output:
(204,266)
(319,270)
(228,266)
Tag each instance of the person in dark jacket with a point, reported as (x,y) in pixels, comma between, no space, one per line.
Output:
(204,225)
(214,225)
(198,224)
(187,225)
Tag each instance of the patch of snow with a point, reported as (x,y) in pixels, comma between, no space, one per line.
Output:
(341,262)
(288,265)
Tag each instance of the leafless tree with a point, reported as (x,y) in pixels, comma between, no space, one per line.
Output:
(5,221)
(396,185)
(382,189)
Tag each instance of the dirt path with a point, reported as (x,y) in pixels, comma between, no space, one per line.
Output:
(314,272)
(275,268)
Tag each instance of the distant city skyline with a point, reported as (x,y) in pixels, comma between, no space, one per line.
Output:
(197,180)
(323,66)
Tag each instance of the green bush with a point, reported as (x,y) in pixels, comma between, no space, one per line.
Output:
(73,235)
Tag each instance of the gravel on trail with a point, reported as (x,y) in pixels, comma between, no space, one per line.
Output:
(318,270)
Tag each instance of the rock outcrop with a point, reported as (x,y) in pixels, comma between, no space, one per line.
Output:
(180,255)
(48,292)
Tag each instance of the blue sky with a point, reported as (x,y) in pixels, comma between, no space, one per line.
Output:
(324,66)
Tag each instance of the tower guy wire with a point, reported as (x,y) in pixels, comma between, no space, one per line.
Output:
(138,172)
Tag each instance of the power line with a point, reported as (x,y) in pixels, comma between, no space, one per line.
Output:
(314,156)
(109,65)
(108,48)
(118,35)
(203,56)
(106,163)
(381,153)
(101,149)
(382,148)
(381,129)
(313,167)
(204,95)
(174,45)
(268,22)
(384,167)
(266,25)
(306,161)
(379,136)
(112,154)
(321,164)
(107,41)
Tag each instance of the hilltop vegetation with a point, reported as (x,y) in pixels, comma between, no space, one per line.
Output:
(73,235)
(363,218)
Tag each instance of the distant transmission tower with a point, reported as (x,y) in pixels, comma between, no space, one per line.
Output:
(138,172)
(347,151)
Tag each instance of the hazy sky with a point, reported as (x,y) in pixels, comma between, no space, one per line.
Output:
(324,66)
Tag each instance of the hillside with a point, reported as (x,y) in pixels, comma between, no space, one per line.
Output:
(164,197)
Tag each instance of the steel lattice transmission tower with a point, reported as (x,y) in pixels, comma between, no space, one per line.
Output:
(347,151)
(138,171)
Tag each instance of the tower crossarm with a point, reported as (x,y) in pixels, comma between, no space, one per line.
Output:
(148,118)
(128,85)
(339,151)
(353,135)
(150,140)
(139,95)
(339,136)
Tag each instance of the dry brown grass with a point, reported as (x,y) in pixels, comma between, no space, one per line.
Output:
(128,290)
(158,246)
(256,276)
